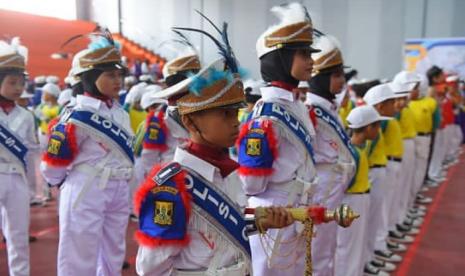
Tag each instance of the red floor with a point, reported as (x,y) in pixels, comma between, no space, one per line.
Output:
(437,250)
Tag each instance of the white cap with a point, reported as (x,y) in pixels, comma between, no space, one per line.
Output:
(146,77)
(364,115)
(53,79)
(149,98)
(404,82)
(254,86)
(130,80)
(423,86)
(52,89)
(135,93)
(378,94)
(26,95)
(65,96)
(39,79)
(452,78)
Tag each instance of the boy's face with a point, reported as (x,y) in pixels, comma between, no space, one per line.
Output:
(400,103)
(49,99)
(372,130)
(12,87)
(441,78)
(415,93)
(219,127)
(387,108)
(24,102)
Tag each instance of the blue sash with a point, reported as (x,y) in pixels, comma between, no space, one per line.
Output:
(222,212)
(322,114)
(115,134)
(276,112)
(12,144)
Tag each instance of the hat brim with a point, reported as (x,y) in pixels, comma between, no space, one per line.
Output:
(300,46)
(183,85)
(234,106)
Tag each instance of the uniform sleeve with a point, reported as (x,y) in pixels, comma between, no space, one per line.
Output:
(149,159)
(61,151)
(156,262)
(257,150)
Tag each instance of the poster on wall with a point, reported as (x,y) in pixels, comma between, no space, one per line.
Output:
(447,53)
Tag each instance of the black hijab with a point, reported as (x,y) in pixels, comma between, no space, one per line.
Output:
(277,65)
(320,84)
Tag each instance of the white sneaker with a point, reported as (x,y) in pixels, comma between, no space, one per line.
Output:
(370,270)
(387,256)
(385,266)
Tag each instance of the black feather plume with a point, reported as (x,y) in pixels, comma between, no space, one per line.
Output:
(224,47)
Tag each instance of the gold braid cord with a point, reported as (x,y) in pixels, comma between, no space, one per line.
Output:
(308,230)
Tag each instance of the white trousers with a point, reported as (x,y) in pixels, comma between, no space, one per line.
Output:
(330,193)
(14,207)
(439,152)
(350,251)
(454,139)
(93,234)
(422,148)
(290,258)
(406,178)
(393,180)
(378,190)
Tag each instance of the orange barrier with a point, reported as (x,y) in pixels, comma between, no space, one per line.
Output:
(44,35)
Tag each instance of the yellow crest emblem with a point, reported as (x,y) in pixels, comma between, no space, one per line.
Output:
(153,134)
(54,146)
(163,213)
(254,146)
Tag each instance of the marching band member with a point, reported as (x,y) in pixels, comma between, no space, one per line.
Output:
(185,231)
(17,137)
(275,151)
(335,157)
(90,154)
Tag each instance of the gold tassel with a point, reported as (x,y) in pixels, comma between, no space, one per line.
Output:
(308,230)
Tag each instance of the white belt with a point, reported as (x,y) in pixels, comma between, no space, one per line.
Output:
(239,269)
(295,188)
(11,168)
(106,173)
(103,172)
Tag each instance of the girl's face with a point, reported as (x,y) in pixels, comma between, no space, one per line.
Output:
(12,87)
(109,83)
(217,127)
(302,65)
(337,82)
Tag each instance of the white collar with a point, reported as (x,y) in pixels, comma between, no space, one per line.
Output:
(272,92)
(205,169)
(315,99)
(82,100)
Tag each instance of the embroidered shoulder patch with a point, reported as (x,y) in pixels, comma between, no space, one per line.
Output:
(62,145)
(164,205)
(256,148)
